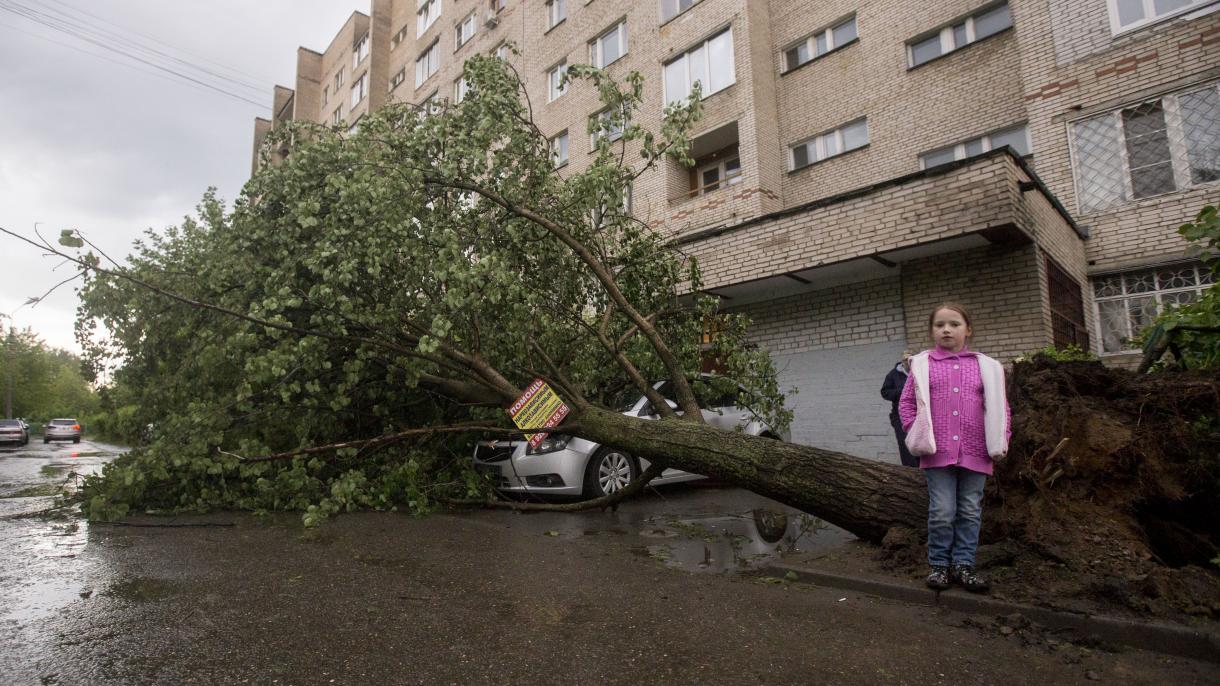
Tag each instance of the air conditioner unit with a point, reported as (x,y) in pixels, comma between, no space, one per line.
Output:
(492,20)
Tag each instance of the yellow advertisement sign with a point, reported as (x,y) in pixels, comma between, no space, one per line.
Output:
(539,407)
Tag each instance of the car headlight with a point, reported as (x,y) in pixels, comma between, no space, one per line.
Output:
(550,444)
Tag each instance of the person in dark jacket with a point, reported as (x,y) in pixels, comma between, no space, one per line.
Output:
(891,390)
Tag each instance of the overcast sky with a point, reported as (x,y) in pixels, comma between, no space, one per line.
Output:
(94,140)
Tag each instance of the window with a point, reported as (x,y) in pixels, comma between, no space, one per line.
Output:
(717,170)
(426,14)
(1016,137)
(1128,302)
(710,64)
(555,83)
(338,80)
(360,89)
(464,31)
(497,5)
(986,22)
(1130,14)
(556,11)
(602,124)
(398,38)
(559,149)
(819,43)
(672,8)
(355,127)
(429,105)
(361,51)
(502,51)
(398,78)
(604,211)
(325,94)
(336,117)
(1067,308)
(1158,146)
(608,47)
(427,63)
(460,88)
(846,138)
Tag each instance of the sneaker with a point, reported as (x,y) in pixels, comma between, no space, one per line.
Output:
(964,575)
(939,578)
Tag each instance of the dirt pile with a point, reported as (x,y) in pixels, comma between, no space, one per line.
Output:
(1110,497)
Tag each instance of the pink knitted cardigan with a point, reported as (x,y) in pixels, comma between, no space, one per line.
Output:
(954,410)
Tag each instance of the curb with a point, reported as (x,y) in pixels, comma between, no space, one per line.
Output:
(1161,638)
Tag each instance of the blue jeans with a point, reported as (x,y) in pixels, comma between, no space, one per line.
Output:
(955,513)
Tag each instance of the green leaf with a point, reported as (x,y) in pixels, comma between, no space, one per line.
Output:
(69,239)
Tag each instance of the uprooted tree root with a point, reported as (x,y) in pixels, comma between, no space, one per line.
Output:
(1109,495)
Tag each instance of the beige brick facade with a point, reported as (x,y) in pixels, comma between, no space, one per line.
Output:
(865,235)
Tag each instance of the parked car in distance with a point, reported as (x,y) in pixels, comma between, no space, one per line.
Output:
(61,430)
(569,466)
(14,431)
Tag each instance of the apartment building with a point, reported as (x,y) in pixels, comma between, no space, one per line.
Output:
(860,161)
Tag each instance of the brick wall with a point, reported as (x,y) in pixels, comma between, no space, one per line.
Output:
(836,345)
(1000,286)
(927,208)
(1073,67)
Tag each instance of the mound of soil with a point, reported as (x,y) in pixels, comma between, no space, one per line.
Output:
(1110,495)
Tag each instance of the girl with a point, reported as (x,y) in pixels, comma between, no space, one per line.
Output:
(955,412)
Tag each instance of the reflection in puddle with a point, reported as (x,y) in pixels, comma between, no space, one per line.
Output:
(734,542)
(42,545)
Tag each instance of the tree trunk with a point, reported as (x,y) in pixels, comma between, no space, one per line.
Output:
(864,497)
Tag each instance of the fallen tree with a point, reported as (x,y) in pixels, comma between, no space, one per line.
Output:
(407,281)
(417,275)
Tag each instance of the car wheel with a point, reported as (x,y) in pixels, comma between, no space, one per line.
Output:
(609,470)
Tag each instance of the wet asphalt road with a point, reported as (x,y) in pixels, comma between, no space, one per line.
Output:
(659,592)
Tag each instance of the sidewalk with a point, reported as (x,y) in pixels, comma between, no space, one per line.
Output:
(484,597)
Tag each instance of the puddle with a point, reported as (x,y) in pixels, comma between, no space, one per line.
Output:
(733,542)
(43,546)
(38,491)
(141,589)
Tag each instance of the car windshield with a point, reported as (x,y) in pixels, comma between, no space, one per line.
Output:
(9,422)
(63,422)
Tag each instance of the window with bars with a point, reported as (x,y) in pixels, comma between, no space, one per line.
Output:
(1158,146)
(1129,301)
(820,43)
(986,22)
(1016,137)
(1067,308)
